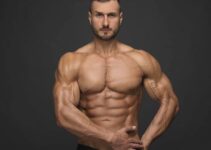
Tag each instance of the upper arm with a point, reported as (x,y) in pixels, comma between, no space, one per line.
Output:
(156,83)
(66,90)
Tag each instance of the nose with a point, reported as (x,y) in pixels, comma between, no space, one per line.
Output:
(105,21)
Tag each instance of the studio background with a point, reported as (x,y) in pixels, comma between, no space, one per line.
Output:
(35,33)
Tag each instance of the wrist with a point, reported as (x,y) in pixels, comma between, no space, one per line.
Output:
(146,142)
(109,137)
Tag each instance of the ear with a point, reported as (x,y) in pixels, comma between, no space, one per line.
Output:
(89,17)
(121,17)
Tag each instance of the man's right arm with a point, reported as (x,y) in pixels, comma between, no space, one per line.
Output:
(66,99)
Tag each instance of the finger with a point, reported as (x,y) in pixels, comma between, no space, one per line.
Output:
(130,129)
(136,141)
(131,149)
(135,146)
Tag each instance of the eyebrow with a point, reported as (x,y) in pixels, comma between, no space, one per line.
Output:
(105,13)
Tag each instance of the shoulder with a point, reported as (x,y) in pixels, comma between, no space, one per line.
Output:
(75,57)
(141,54)
(68,66)
(142,57)
(147,62)
(124,48)
(68,59)
(88,48)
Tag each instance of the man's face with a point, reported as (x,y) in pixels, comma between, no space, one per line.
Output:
(105,19)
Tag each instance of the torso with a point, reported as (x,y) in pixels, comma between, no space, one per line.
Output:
(111,89)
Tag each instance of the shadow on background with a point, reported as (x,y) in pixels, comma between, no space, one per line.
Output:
(34,34)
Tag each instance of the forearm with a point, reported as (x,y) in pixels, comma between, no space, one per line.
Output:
(77,123)
(160,122)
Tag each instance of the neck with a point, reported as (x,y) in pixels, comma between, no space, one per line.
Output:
(105,48)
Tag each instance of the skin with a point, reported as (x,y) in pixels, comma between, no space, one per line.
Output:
(98,88)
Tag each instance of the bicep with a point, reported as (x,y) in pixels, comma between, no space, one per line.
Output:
(160,89)
(156,83)
(65,93)
(66,89)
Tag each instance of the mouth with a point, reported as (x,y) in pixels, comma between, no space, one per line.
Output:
(105,30)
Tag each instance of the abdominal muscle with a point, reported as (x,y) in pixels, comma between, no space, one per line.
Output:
(112,113)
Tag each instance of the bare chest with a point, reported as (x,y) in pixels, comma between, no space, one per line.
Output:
(119,73)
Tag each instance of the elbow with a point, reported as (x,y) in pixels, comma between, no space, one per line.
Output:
(60,119)
(58,123)
(65,116)
(177,107)
(173,103)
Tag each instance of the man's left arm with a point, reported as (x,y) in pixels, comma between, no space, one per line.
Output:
(159,88)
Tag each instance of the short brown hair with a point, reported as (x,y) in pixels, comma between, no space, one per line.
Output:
(91,1)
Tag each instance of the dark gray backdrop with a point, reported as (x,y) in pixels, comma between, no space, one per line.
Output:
(35,33)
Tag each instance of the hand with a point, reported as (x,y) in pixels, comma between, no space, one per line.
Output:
(121,141)
(145,147)
(145,144)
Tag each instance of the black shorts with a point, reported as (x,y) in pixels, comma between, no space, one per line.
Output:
(84,147)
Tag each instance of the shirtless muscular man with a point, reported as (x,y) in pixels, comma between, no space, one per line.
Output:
(98,88)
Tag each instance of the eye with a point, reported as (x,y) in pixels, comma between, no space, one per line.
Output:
(98,15)
(112,15)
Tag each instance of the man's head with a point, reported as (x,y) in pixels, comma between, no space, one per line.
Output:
(91,3)
(105,17)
